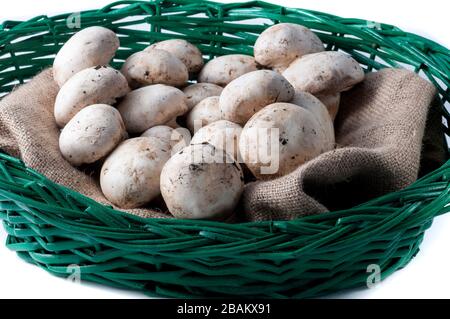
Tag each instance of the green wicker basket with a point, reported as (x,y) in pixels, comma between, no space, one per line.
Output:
(54,227)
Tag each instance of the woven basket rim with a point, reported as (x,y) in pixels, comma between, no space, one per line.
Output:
(435,185)
(12,25)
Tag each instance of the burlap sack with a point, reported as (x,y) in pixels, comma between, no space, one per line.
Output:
(379,133)
(380,129)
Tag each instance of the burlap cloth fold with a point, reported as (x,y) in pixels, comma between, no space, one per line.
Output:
(379,132)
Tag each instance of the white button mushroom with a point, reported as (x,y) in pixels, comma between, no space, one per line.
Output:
(205,112)
(201,182)
(173,123)
(87,48)
(319,110)
(224,69)
(130,175)
(177,138)
(331,101)
(324,72)
(154,67)
(279,138)
(151,105)
(200,91)
(188,53)
(249,93)
(221,134)
(282,43)
(96,85)
(91,134)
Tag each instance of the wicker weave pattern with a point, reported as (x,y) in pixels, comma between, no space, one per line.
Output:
(54,227)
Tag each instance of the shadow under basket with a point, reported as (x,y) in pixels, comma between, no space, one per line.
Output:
(62,231)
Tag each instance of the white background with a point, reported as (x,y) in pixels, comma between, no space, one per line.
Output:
(425,277)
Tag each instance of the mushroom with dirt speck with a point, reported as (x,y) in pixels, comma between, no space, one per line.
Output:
(205,112)
(151,105)
(201,182)
(249,93)
(280,44)
(95,85)
(224,69)
(221,134)
(130,175)
(177,138)
(324,72)
(319,110)
(173,123)
(186,52)
(91,134)
(331,101)
(280,138)
(87,48)
(197,92)
(154,67)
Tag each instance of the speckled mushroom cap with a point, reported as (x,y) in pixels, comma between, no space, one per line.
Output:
(279,138)
(88,47)
(324,72)
(186,52)
(130,175)
(154,67)
(282,43)
(201,182)
(224,69)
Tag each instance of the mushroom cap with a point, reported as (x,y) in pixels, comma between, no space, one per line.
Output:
(331,101)
(197,92)
(324,72)
(87,48)
(130,175)
(95,85)
(282,43)
(185,51)
(319,110)
(221,134)
(154,67)
(151,105)
(177,138)
(91,134)
(224,69)
(205,112)
(280,138)
(201,182)
(249,93)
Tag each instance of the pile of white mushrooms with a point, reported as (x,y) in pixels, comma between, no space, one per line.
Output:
(264,115)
